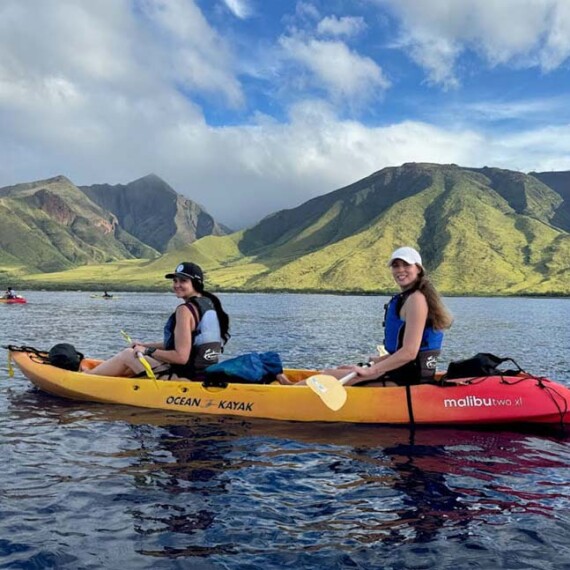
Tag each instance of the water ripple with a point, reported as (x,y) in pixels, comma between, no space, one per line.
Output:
(92,486)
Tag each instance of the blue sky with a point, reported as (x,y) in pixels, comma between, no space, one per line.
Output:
(250,106)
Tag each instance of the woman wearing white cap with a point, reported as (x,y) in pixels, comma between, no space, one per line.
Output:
(414,323)
(193,335)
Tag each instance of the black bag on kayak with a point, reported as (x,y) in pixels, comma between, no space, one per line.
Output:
(65,356)
(251,368)
(482,364)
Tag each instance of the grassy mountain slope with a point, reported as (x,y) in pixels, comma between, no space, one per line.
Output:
(480,231)
(334,216)
(51,225)
(473,237)
(208,252)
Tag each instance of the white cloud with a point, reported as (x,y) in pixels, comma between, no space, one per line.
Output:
(243,173)
(269,166)
(97,98)
(239,8)
(518,33)
(345,74)
(193,52)
(306,10)
(346,26)
(517,110)
(540,149)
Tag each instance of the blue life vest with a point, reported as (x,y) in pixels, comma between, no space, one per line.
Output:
(423,367)
(206,337)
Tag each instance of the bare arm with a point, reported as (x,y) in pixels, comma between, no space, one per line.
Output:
(148,344)
(185,324)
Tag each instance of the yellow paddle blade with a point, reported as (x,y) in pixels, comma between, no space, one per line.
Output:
(329,390)
(10,367)
(149,371)
(126,337)
(381,350)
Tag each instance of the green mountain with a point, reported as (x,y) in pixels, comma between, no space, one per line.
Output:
(480,231)
(52,225)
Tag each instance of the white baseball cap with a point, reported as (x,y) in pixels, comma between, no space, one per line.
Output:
(407,254)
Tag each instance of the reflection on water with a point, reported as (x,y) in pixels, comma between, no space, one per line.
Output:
(90,486)
(226,489)
(157,487)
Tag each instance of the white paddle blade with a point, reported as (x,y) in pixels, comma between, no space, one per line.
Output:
(329,390)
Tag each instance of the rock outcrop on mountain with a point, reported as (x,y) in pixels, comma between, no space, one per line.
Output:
(152,211)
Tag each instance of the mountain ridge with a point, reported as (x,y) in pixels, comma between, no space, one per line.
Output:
(480,231)
(137,203)
(52,225)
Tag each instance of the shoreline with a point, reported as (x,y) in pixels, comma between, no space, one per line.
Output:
(95,288)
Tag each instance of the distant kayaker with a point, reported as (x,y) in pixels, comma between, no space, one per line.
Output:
(193,335)
(10,293)
(107,296)
(414,322)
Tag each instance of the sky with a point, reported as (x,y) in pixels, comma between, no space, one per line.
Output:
(252,106)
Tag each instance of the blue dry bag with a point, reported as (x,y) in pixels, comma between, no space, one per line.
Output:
(250,368)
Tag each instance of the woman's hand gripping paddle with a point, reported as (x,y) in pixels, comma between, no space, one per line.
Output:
(331,390)
(149,371)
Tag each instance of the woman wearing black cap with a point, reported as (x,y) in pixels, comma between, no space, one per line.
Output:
(193,335)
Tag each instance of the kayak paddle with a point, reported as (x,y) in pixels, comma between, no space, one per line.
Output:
(149,371)
(330,389)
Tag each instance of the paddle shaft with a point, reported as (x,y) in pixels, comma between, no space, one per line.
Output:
(352,375)
(147,367)
(347,378)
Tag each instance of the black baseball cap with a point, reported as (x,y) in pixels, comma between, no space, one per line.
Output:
(188,270)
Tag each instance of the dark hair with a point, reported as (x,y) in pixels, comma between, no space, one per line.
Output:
(223,317)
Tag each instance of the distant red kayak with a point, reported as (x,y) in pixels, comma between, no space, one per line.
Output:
(14,301)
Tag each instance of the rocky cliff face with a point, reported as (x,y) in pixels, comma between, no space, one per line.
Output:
(152,211)
(53,205)
(51,226)
(560,183)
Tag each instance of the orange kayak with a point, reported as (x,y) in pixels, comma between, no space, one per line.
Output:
(522,399)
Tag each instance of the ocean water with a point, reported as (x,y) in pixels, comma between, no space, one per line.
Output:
(86,485)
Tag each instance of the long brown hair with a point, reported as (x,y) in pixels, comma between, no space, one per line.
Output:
(438,313)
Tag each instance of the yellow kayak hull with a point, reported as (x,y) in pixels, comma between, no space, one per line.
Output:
(520,402)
